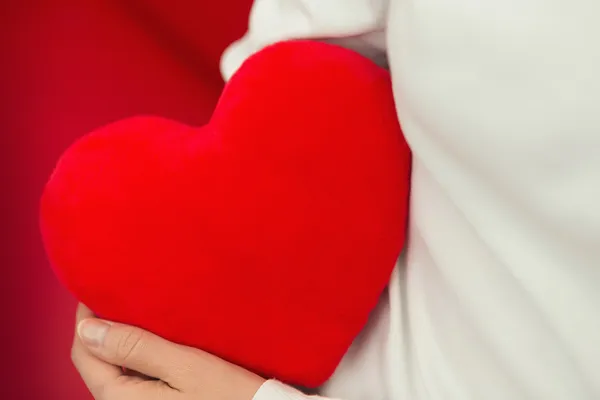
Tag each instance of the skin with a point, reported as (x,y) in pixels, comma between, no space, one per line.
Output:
(101,350)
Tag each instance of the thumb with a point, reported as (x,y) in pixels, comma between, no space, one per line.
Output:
(132,348)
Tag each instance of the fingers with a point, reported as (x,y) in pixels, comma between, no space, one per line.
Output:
(138,350)
(105,380)
(96,373)
(102,347)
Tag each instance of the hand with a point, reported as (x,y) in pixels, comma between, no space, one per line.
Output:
(101,348)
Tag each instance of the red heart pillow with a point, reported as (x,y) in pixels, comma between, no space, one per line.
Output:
(265,237)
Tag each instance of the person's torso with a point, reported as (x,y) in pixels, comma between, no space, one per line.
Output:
(500,102)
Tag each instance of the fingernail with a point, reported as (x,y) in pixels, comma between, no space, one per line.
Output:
(92,332)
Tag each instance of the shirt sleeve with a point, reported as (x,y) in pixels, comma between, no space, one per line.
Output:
(355,24)
(275,390)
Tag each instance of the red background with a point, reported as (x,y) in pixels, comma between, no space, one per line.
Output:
(67,67)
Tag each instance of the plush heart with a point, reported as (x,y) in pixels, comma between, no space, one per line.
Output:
(265,237)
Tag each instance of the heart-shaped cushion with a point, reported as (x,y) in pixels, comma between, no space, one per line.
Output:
(265,237)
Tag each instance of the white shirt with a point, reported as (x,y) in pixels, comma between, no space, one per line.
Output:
(498,297)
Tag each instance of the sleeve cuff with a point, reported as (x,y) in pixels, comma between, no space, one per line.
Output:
(275,390)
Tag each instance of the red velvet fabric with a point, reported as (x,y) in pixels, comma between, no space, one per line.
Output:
(265,237)
(69,66)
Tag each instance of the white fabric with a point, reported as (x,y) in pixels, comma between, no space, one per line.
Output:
(499,295)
